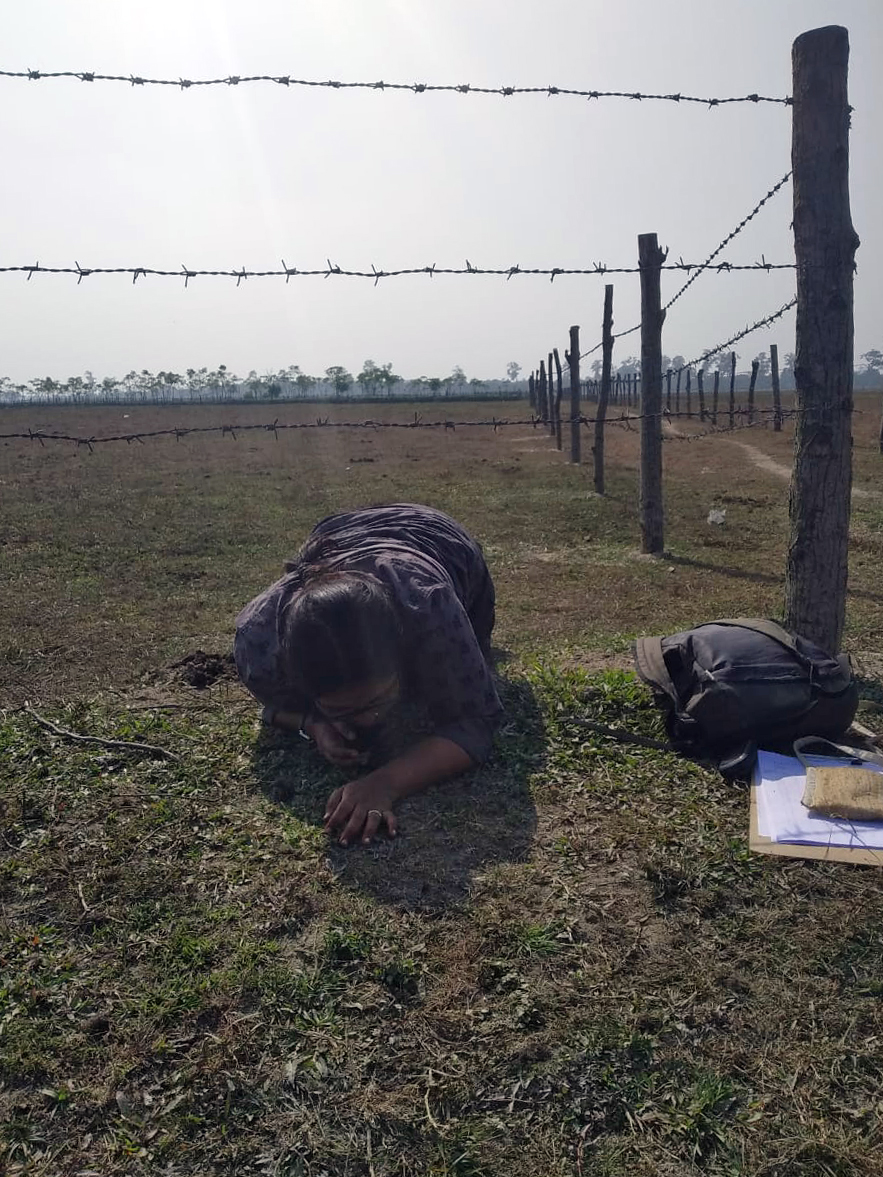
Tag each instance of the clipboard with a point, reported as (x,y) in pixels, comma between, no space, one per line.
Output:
(857,855)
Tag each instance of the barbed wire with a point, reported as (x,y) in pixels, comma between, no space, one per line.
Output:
(624,419)
(331,270)
(707,263)
(729,237)
(36,75)
(765,322)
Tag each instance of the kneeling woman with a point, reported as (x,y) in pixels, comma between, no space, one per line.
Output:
(381,605)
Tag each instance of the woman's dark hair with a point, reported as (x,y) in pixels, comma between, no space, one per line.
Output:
(337,630)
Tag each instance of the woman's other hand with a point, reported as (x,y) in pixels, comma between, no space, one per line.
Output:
(334,741)
(359,809)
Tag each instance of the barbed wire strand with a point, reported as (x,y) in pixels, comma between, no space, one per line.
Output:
(331,270)
(713,351)
(707,263)
(36,75)
(624,419)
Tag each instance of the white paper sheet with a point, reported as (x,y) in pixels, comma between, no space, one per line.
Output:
(782,817)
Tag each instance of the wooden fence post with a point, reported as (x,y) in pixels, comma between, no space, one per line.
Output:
(558,392)
(668,390)
(700,388)
(824,247)
(575,408)
(689,402)
(650,259)
(541,395)
(531,392)
(755,366)
(732,389)
(777,395)
(551,398)
(678,394)
(717,380)
(604,395)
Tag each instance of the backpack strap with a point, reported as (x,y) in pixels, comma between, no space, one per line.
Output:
(847,751)
(770,629)
(652,669)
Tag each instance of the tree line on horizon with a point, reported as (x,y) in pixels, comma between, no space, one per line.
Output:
(374,381)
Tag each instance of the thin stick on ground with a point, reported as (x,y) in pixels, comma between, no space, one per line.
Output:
(127,745)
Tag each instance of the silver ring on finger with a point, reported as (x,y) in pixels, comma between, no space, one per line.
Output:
(377,811)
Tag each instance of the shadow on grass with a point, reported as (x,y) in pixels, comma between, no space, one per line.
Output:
(756,577)
(447,834)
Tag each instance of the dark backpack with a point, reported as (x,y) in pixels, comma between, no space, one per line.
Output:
(733,685)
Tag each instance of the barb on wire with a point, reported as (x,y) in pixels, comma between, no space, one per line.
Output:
(697,270)
(624,420)
(331,269)
(36,75)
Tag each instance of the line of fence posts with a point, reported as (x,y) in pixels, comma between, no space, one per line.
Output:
(825,244)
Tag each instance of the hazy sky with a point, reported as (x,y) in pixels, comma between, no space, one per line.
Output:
(222,177)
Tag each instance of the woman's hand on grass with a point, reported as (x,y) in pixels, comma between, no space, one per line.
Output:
(334,742)
(359,809)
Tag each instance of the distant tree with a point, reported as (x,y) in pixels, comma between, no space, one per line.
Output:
(304,383)
(387,377)
(434,384)
(339,377)
(873,361)
(678,362)
(369,377)
(596,368)
(513,370)
(764,367)
(458,376)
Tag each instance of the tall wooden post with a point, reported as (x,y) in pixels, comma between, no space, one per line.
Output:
(531,391)
(575,408)
(732,389)
(558,391)
(551,399)
(700,387)
(752,383)
(678,393)
(824,246)
(777,394)
(668,390)
(604,395)
(717,381)
(650,259)
(541,395)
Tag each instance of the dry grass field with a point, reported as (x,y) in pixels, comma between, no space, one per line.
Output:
(568,963)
